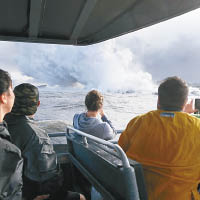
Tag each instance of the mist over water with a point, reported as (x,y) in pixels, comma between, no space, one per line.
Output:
(57,108)
(67,73)
(125,64)
(107,67)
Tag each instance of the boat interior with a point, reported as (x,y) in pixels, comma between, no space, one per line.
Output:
(86,160)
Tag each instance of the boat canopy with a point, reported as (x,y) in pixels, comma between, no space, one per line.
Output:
(83,22)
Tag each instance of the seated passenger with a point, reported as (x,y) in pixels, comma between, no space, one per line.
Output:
(40,174)
(166,142)
(10,156)
(90,122)
(11,161)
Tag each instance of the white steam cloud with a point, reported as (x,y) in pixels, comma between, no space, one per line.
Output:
(107,66)
(169,48)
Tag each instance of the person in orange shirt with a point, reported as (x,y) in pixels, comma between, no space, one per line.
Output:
(166,142)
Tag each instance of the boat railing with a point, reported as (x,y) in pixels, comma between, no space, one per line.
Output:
(99,161)
(117,148)
(63,134)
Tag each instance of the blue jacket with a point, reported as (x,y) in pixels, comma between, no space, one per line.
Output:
(101,128)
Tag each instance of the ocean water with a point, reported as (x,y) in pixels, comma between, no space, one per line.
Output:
(58,107)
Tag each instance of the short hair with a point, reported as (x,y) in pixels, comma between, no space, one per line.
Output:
(172,93)
(5,81)
(94,100)
(26,99)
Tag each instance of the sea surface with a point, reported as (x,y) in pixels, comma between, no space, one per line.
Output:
(58,107)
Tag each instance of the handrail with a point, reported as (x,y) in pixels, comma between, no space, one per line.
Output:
(63,134)
(116,147)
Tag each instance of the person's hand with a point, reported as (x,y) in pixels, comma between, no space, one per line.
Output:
(189,108)
(101,112)
(82,197)
(41,197)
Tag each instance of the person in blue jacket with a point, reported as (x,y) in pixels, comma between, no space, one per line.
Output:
(94,121)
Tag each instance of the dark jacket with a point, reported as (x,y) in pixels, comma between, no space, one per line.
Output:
(10,167)
(40,161)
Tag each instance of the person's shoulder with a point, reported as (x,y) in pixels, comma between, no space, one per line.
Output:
(80,113)
(18,121)
(105,126)
(191,118)
(23,123)
(151,113)
(12,119)
(103,131)
(32,129)
(141,117)
(77,115)
(188,120)
(37,131)
(108,132)
(7,147)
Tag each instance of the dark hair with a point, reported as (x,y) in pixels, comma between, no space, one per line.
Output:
(172,92)
(5,81)
(94,100)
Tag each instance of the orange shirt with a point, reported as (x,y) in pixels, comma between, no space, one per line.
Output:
(167,144)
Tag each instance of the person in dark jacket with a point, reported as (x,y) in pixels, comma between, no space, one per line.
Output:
(11,162)
(40,173)
(94,121)
(10,156)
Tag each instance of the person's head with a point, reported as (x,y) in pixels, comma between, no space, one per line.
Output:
(26,99)
(6,93)
(172,94)
(94,100)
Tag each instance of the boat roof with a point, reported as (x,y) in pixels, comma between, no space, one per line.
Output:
(83,22)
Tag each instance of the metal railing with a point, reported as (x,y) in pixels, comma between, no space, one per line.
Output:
(116,147)
(63,134)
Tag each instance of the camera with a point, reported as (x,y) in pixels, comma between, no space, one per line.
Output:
(197,105)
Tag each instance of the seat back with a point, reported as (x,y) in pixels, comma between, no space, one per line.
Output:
(106,166)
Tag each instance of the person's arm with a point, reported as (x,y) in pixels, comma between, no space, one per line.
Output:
(123,141)
(107,132)
(189,108)
(40,156)
(105,119)
(126,136)
(47,160)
